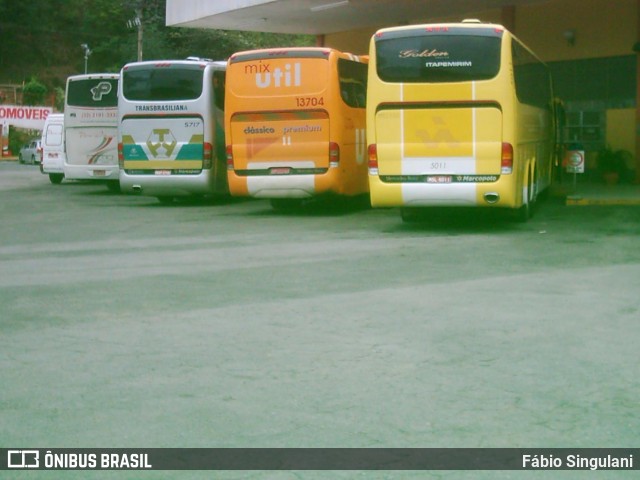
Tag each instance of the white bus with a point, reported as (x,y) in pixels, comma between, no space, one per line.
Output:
(171,129)
(91,128)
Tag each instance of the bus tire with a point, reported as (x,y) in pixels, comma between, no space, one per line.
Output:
(285,204)
(113,186)
(56,178)
(411,215)
(525,212)
(533,192)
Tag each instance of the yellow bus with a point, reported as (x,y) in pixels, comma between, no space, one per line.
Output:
(458,115)
(295,124)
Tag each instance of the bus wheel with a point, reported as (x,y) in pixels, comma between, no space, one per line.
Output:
(525,212)
(285,204)
(533,196)
(165,200)
(411,215)
(113,186)
(56,178)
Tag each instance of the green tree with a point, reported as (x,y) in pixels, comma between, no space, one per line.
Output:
(59,99)
(42,38)
(33,92)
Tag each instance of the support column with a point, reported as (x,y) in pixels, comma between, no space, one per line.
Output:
(637,179)
(320,40)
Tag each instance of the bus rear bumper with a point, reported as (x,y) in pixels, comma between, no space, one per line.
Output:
(50,167)
(91,172)
(274,186)
(168,185)
(439,195)
(331,181)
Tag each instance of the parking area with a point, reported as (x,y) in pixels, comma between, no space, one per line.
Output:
(127,323)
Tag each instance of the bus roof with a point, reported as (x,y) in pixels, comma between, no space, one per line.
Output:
(91,76)
(293,52)
(163,63)
(442,27)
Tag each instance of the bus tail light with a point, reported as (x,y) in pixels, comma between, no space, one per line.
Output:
(229,157)
(373,159)
(334,155)
(207,156)
(120,155)
(506,163)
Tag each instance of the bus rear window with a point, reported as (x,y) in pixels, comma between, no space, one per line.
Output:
(164,83)
(93,93)
(438,58)
(53,136)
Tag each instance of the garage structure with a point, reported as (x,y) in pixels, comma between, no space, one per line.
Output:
(591,46)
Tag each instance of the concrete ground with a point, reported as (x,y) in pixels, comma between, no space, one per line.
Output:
(591,192)
(126,323)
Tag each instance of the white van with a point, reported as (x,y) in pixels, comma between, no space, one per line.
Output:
(53,149)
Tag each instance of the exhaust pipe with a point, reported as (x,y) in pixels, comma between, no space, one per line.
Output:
(491,197)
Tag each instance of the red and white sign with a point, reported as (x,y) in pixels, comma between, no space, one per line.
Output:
(575,161)
(24,117)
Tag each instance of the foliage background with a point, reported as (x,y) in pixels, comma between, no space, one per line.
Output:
(40,39)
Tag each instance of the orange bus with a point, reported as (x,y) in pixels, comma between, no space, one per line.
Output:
(295,124)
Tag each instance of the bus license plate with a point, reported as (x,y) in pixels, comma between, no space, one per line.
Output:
(163,172)
(280,171)
(99,173)
(439,179)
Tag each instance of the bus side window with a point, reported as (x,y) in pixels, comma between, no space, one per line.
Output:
(353,82)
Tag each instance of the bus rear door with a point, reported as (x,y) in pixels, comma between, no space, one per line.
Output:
(271,145)
(279,129)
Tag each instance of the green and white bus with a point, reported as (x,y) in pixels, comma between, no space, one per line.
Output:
(171,128)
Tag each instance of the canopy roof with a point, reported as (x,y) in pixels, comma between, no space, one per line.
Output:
(320,16)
